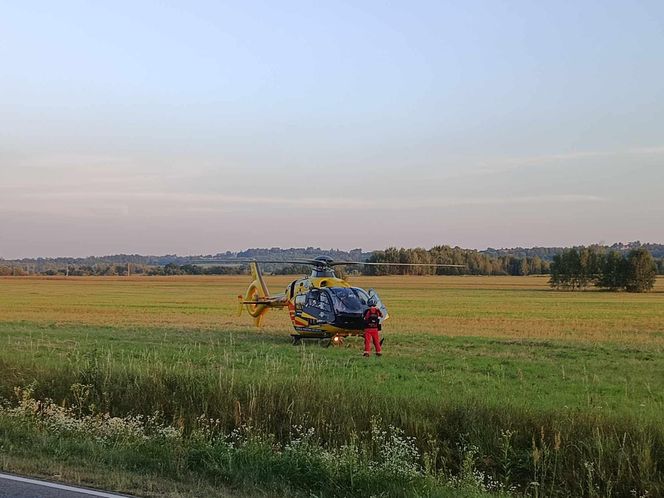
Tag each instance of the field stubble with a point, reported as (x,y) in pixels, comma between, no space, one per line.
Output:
(504,307)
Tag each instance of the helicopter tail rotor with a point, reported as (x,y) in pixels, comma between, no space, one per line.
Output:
(257,298)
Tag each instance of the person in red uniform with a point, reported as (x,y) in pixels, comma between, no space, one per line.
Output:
(371,327)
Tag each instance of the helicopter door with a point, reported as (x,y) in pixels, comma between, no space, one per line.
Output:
(379,304)
(318,305)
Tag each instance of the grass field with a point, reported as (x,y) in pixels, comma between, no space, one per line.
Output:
(503,384)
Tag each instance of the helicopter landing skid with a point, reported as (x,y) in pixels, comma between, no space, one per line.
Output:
(335,340)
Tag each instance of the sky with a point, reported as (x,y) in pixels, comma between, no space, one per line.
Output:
(203,126)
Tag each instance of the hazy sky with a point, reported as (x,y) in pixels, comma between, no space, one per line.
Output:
(196,127)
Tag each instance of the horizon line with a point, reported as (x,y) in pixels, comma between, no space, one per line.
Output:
(319,249)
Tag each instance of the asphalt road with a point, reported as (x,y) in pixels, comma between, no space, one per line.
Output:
(23,487)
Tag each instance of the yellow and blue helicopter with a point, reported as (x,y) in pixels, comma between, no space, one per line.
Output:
(321,305)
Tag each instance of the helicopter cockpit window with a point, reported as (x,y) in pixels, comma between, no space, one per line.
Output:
(347,300)
(362,294)
(313,297)
(319,300)
(300,299)
(325,303)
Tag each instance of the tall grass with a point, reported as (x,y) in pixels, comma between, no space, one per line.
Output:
(537,452)
(385,462)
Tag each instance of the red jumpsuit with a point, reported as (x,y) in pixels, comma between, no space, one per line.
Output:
(371,330)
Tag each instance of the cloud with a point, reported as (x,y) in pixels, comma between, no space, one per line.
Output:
(104,203)
(499,165)
(502,200)
(105,187)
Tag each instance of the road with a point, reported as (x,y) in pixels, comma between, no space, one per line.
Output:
(12,486)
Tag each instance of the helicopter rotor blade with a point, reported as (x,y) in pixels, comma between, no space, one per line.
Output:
(338,263)
(245,261)
(315,262)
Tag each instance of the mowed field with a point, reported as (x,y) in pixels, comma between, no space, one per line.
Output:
(501,307)
(538,391)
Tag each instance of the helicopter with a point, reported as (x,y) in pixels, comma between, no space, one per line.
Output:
(321,306)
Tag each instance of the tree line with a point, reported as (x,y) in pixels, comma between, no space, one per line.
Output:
(116,270)
(474,262)
(167,264)
(576,269)
(547,253)
(516,261)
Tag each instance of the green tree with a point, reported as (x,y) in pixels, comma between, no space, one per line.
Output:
(558,271)
(640,272)
(613,272)
(172,269)
(660,266)
(575,269)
